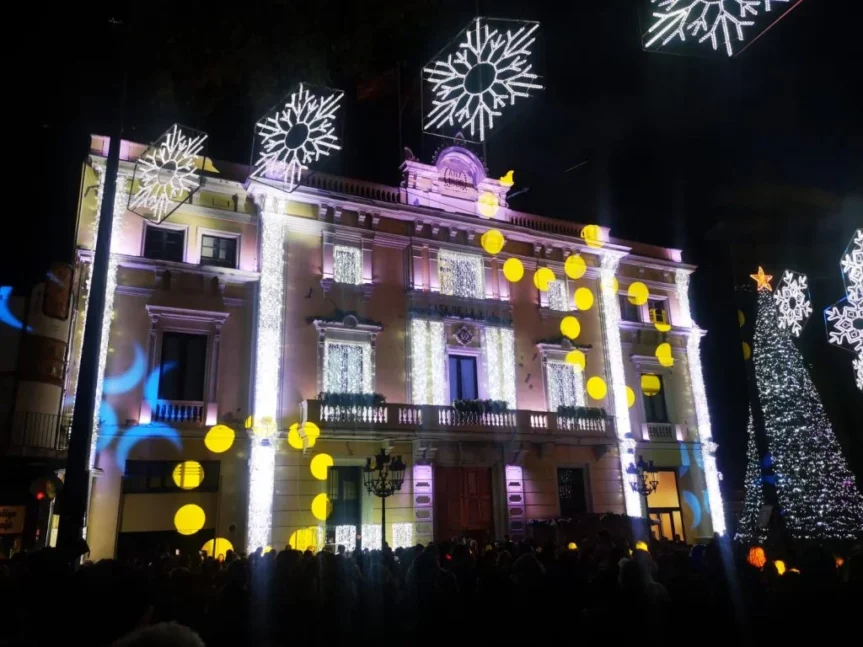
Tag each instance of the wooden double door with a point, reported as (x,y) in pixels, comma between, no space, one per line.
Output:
(463,503)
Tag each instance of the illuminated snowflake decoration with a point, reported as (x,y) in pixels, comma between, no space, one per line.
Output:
(490,70)
(722,23)
(167,173)
(297,135)
(858,371)
(793,301)
(845,325)
(852,268)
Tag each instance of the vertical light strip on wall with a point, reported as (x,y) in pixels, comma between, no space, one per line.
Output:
(268,350)
(702,411)
(614,358)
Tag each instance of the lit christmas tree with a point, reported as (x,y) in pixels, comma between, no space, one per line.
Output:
(748,529)
(817,494)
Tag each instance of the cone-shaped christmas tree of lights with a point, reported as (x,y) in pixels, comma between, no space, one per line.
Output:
(748,529)
(817,493)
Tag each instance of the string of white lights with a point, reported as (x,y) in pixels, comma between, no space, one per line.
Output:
(500,363)
(610,309)
(428,382)
(565,385)
(372,537)
(702,410)
(557,296)
(347,367)
(346,536)
(347,265)
(461,275)
(403,535)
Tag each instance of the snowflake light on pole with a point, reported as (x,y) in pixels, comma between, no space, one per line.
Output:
(721,23)
(167,174)
(491,69)
(793,302)
(852,268)
(290,139)
(845,325)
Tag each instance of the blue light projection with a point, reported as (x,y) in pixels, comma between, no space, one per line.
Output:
(151,386)
(138,433)
(684,459)
(6,315)
(107,425)
(691,501)
(127,381)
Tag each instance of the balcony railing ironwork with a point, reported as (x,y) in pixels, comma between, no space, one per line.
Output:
(660,431)
(179,412)
(29,430)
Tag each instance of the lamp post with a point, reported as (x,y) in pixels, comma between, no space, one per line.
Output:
(383,476)
(646,481)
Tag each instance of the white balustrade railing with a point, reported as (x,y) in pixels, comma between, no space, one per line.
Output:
(178,412)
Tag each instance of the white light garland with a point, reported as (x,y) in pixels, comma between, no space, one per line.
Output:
(167,172)
(347,367)
(347,265)
(720,22)
(793,302)
(268,345)
(610,305)
(120,197)
(428,357)
(461,275)
(403,535)
(702,410)
(297,135)
(557,296)
(489,71)
(858,371)
(372,537)
(852,268)
(500,364)
(346,536)
(565,385)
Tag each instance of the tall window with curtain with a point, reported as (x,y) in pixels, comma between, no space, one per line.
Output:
(347,367)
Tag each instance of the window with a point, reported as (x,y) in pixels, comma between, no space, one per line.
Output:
(184,358)
(628,310)
(347,265)
(221,252)
(571,492)
(657,312)
(565,385)
(347,367)
(155,477)
(663,507)
(557,296)
(343,488)
(462,378)
(164,244)
(461,275)
(654,405)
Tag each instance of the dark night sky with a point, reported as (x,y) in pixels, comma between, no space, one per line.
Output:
(679,151)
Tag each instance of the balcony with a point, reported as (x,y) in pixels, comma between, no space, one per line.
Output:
(660,431)
(187,413)
(410,420)
(29,433)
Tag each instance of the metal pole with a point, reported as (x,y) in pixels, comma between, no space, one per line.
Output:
(76,487)
(383,521)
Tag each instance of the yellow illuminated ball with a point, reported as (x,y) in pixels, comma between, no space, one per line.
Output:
(596,388)
(575,267)
(747,351)
(219,439)
(310,431)
(492,241)
(741,318)
(188,475)
(576,358)
(264,427)
(663,354)
(294,439)
(638,293)
(583,299)
(189,519)
(569,327)
(572,546)
(630,397)
(319,466)
(641,545)
(650,384)
(220,549)
(304,539)
(542,277)
(322,507)
(780,566)
(513,270)
(487,204)
(592,235)
(662,327)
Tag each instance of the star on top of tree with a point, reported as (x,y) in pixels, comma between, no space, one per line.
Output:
(762,279)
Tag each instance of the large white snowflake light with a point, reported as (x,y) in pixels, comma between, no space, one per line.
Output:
(845,325)
(722,23)
(793,301)
(296,135)
(489,71)
(852,268)
(167,174)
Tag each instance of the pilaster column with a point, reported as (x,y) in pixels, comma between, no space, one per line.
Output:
(610,311)
(699,397)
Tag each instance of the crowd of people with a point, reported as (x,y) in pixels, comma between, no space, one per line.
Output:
(600,588)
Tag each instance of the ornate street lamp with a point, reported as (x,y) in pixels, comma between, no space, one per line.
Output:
(646,481)
(383,476)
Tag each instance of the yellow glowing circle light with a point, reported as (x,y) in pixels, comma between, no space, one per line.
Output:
(611,284)
(575,267)
(747,351)
(221,548)
(248,423)
(572,546)
(650,384)
(583,299)
(487,204)
(188,475)
(513,270)
(542,277)
(630,397)
(492,241)
(304,539)
(663,354)
(596,388)
(641,545)
(638,293)
(319,466)
(569,327)
(219,439)
(592,235)
(322,507)
(780,566)
(662,327)
(189,519)
(294,439)
(311,431)
(576,358)
(741,318)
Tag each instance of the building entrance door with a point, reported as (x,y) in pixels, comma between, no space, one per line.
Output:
(463,503)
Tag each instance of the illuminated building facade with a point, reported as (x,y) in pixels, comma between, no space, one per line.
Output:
(345,316)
